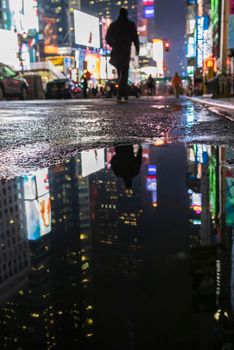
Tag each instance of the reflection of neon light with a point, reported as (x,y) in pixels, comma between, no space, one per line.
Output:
(37,204)
(152,169)
(196,202)
(154,199)
(196,222)
(197,209)
(151,183)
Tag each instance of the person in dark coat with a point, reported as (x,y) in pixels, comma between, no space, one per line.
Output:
(120,36)
(125,164)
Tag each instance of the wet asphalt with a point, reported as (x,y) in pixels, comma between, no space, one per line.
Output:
(35,134)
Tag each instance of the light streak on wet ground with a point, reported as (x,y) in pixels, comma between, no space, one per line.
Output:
(40,133)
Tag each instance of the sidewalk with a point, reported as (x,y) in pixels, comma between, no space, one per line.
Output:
(224,106)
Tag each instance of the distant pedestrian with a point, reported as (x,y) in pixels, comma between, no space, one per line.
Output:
(176,84)
(150,85)
(84,82)
(120,36)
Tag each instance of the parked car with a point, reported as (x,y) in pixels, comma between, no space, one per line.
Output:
(111,88)
(12,84)
(60,88)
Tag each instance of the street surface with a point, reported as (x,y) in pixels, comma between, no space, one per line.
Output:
(35,134)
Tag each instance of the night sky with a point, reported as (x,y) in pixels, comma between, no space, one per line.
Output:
(170,25)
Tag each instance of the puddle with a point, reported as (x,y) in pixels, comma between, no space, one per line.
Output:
(127,248)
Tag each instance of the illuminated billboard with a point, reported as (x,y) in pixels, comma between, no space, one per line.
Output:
(24,15)
(231,32)
(50,35)
(148,2)
(37,204)
(158,55)
(191,47)
(87,30)
(9,48)
(105,25)
(92,161)
(149,12)
(202,25)
(93,64)
(231,7)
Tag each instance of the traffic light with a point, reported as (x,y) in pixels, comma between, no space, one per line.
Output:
(167,46)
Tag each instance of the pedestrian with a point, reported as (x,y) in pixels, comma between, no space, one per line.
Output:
(150,85)
(120,36)
(84,82)
(176,84)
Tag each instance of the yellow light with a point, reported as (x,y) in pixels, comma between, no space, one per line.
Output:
(217,315)
(90,321)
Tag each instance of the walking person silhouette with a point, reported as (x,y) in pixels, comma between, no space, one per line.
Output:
(120,36)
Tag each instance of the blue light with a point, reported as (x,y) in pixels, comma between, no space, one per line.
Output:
(149,12)
(152,169)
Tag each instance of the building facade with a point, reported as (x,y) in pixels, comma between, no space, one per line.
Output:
(5,17)
(110,8)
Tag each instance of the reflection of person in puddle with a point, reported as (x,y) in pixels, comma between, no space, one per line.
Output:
(126,164)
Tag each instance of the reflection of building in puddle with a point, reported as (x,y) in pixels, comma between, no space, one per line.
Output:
(116,215)
(199,183)
(15,257)
(202,228)
(56,293)
(211,191)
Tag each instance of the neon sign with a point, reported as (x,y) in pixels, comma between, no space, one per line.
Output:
(149,12)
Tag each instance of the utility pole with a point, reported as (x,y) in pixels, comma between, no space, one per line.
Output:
(224,35)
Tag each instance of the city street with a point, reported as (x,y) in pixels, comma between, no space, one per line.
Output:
(35,134)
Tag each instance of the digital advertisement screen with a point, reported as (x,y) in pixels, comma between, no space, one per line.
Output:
(92,161)
(50,35)
(37,204)
(87,30)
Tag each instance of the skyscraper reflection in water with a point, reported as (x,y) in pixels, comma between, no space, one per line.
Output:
(88,263)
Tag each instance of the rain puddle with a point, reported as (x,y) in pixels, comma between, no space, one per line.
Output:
(120,248)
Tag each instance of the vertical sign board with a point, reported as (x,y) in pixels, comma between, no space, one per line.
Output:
(231,26)
(200,40)
(202,25)
(231,7)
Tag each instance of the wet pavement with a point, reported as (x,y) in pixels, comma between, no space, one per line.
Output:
(36,134)
(127,247)
(116,226)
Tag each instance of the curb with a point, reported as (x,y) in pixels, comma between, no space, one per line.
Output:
(226,111)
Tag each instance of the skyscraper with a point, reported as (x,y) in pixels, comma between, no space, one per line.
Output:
(110,8)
